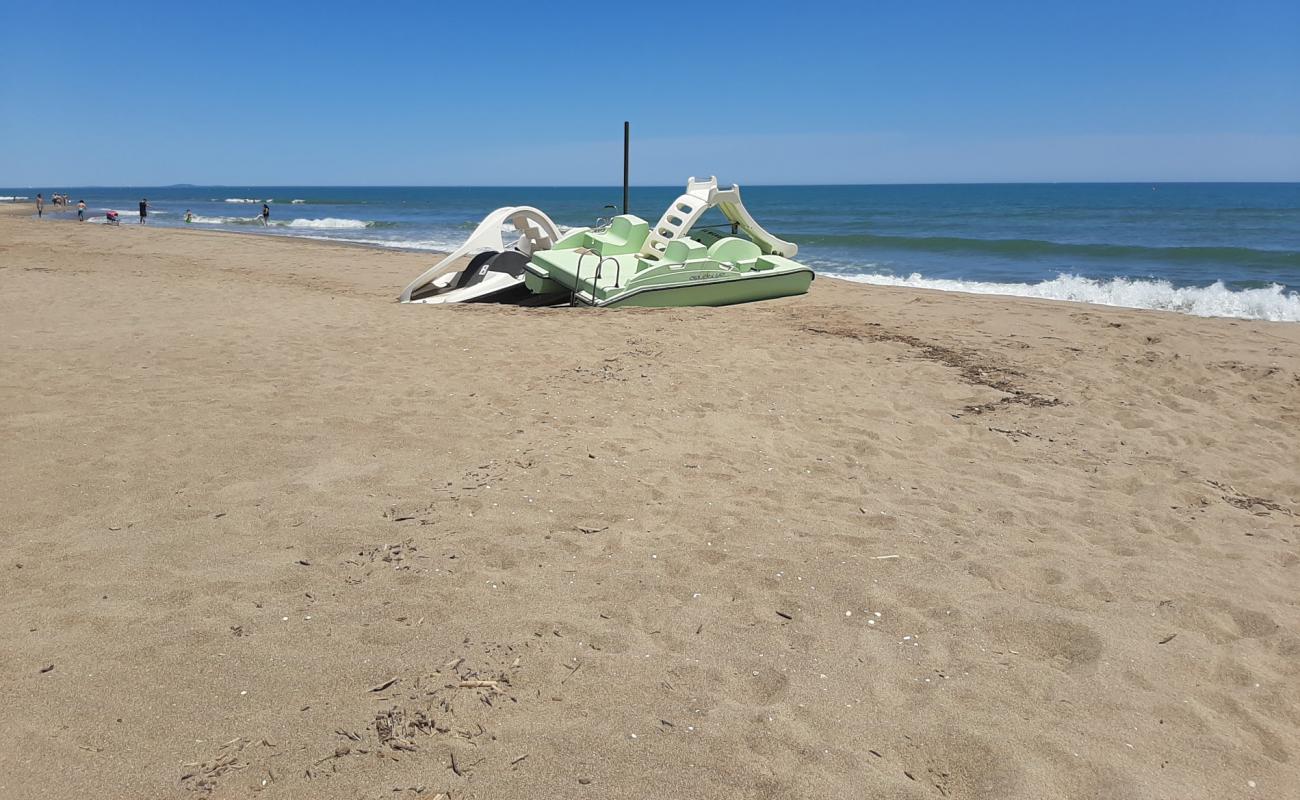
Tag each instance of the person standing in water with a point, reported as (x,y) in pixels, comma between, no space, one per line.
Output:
(266,215)
(189,216)
(81,211)
(144,209)
(40,205)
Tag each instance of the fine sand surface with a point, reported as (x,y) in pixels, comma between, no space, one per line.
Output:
(268,534)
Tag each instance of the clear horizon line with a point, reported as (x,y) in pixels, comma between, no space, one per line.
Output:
(179,185)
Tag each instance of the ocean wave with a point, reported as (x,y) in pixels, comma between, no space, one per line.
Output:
(12,198)
(133,213)
(102,216)
(425,245)
(243,200)
(1036,248)
(332,201)
(1273,303)
(202,220)
(328,223)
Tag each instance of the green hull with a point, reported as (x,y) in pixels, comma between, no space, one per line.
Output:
(720,293)
(623,265)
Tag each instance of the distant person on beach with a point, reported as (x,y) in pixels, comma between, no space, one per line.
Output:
(189,216)
(81,211)
(266,215)
(111,218)
(40,205)
(144,209)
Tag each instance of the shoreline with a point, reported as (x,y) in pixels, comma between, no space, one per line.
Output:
(259,517)
(1271,303)
(133,222)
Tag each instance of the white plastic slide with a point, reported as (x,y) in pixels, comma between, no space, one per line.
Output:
(484,266)
(733,209)
(699,197)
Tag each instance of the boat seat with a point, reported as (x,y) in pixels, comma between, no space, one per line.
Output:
(680,251)
(735,251)
(625,234)
(772,262)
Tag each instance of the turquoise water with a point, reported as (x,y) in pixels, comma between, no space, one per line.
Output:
(1215,249)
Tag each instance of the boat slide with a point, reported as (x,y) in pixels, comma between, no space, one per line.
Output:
(493,269)
(698,198)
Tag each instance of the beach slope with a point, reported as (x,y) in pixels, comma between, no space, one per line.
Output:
(268,533)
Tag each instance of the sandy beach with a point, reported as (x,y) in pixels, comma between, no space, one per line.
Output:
(269,534)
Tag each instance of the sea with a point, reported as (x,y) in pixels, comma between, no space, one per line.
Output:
(1210,249)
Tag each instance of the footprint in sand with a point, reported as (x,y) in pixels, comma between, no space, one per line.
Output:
(1067,646)
(766,685)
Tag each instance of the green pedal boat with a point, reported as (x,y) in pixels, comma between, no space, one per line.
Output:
(627,262)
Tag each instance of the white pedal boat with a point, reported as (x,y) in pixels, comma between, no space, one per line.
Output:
(485,268)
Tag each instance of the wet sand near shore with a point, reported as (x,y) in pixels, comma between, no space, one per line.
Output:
(269,534)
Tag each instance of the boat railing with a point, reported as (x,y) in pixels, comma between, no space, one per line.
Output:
(577,275)
(734,227)
(618,270)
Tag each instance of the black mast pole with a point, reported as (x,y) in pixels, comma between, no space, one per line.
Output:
(627,135)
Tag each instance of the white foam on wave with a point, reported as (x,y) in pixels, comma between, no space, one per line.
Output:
(202,220)
(297,202)
(328,223)
(242,200)
(1273,303)
(101,216)
(122,216)
(12,198)
(428,245)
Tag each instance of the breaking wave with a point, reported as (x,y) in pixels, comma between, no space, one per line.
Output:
(224,220)
(1036,248)
(1273,303)
(425,245)
(328,223)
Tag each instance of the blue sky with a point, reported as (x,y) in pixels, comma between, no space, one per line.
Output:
(535,93)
